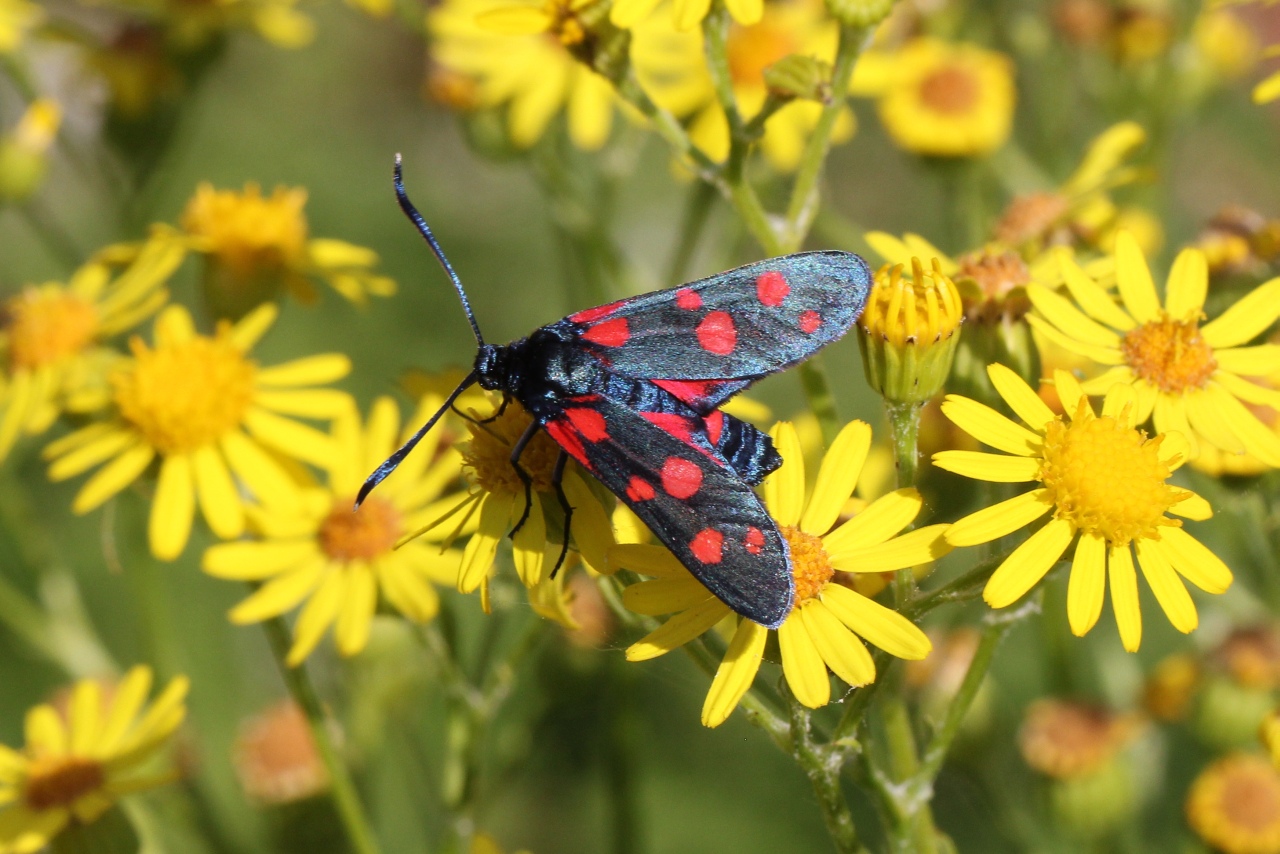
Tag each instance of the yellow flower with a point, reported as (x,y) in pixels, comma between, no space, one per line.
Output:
(787,27)
(1065,739)
(52,337)
(342,562)
(687,13)
(1189,377)
(74,768)
(1234,805)
(190,26)
(1102,480)
(17,17)
(498,502)
(256,245)
(24,151)
(1225,43)
(829,621)
(189,401)
(941,99)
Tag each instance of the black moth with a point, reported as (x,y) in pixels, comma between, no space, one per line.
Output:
(630,390)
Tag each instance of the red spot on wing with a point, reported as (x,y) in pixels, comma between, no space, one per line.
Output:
(676,425)
(717,334)
(590,314)
(772,288)
(809,322)
(566,438)
(608,333)
(589,423)
(688,299)
(639,489)
(681,478)
(715,423)
(692,392)
(754,540)
(707,546)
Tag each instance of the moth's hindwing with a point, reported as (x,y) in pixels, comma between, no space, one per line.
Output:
(695,503)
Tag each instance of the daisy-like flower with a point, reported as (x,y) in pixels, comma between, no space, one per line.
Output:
(499,502)
(255,246)
(342,562)
(940,99)
(1189,377)
(787,27)
(687,13)
(1234,805)
(829,621)
(189,401)
(1105,485)
(75,767)
(51,340)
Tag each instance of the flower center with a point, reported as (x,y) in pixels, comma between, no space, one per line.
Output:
(1170,354)
(248,233)
(1106,479)
(566,26)
(1251,798)
(488,454)
(367,533)
(59,781)
(950,90)
(47,325)
(753,49)
(185,395)
(996,274)
(809,563)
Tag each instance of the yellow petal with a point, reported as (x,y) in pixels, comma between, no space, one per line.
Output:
(1124,596)
(883,518)
(282,593)
(514,21)
(882,627)
(1170,418)
(664,595)
(1070,393)
(529,543)
(1069,319)
(356,614)
(173,508)
(990,427)
(1192,507)
(1246,390)
(112,478)
(591,527)
(316,617)
(745,12)
(1028,563)
(1086,588)
(92,452)
(679,630)
(1101,355)
(784,489)
(1187,285)
(997,468)
(1170,592)
(249,329)
(1091,296)
(1210,422)
(85,715)
(1119,404)
(219,498)
(311,370)
(174,326)
(289,437)
(1022,399)
(1193,560)
(590,110)
(921,546)
(736,672)
(266,479)
(131,692)
(407,591)
(646,559)
(1247,318)
(1257,438)
(482,548)
(253,561)
(1005,517)
(320,403)
(625,14)
(841,650)
(1175,449)
(837,477)
(802,665)
(1258,361)
(1133,277)
(45,733)
(534,105)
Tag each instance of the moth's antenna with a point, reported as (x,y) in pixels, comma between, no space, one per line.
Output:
(380,474)
(425,230)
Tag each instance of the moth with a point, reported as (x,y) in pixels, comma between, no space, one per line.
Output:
(631,390)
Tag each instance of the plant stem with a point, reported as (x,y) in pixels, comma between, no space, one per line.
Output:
(904,423)
(670,129)
(342,790)
(805,194)
(822,764)
(913,819)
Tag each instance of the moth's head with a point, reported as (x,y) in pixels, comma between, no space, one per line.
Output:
(489,370)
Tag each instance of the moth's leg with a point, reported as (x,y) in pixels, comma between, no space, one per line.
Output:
(557,483)
(516,451)
(502,407)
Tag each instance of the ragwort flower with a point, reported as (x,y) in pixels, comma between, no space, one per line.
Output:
(829,621)
(940,99)
(255,246)
(189,400)
(1234,805)
(51,338)
(1188,377)
(1104,482)
(687,13)
(75,767)
(343,561)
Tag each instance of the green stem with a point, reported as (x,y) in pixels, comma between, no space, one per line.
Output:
(913,819)
(670,129)
(342,790)
(822,764)
(28,623)
(805,195)
(904,423)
